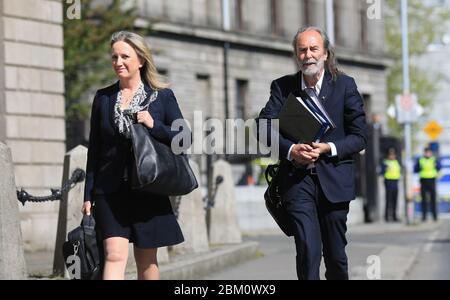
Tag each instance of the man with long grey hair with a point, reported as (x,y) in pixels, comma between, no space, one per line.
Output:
(317,182)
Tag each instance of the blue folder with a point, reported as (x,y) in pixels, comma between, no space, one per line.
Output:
(302,121)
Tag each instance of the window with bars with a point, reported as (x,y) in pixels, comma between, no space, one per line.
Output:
(364,24)
(239,14)
(307,8)
(337,21)
(241,99)
(275,17)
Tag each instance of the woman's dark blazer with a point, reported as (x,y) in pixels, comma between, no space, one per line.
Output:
(108,152)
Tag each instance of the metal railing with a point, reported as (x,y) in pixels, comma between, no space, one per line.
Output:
(78,175)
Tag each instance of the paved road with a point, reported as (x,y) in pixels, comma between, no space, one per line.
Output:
(419,251)
(434,257)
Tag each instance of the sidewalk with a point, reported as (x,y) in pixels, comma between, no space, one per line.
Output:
(383,227)
(396,244)
(180,267)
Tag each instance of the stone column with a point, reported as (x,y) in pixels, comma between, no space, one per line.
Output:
(70,207)
(191,217)
(12,261)
(224,227)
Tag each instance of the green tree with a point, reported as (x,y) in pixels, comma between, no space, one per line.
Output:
(426,25)
(87,62)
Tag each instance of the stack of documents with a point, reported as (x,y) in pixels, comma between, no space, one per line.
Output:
(302,120)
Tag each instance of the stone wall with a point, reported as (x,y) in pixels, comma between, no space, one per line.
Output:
(190,47)
(32,106)
(257,68)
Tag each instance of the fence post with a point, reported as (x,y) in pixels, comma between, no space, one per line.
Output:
(224,226)
(70,207)
(191,217)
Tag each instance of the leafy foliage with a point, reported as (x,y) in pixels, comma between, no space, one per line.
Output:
(425,27)
(87,63)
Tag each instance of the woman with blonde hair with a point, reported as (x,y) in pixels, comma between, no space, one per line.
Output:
(124,215)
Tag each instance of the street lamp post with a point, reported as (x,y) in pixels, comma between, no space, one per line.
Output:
(407,125)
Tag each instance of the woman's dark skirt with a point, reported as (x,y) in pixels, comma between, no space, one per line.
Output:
(146,220)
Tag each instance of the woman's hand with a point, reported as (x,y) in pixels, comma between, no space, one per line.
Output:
(145,118)
(86,209)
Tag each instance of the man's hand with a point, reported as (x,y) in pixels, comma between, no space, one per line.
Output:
(304,154)
(321,148)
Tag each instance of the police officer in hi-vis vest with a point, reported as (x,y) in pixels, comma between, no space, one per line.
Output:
(391,171)
(428,167)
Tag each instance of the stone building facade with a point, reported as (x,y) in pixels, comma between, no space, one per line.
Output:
(188,41)
(32,106)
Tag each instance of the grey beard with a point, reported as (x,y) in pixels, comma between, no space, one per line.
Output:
(313,71)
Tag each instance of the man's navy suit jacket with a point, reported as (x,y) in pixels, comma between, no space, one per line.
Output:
(108,151)
(344,104)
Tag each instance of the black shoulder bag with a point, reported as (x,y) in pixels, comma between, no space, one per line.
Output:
(156,168)
(273,199)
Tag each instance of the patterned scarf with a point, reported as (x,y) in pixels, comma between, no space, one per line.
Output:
(124,118)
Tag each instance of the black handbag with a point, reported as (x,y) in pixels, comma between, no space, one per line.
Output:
(274,203)
(81,253)
(156,169)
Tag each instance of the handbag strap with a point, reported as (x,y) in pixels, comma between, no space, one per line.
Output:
(272,171)
(149,100)
(90,240)
(88,221)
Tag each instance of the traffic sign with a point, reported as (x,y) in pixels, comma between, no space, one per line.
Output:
(433,129)
(406,102)
(407,108)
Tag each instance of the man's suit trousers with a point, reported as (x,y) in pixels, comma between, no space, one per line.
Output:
(319,226)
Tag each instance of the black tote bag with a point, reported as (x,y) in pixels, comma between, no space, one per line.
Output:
(81,252)
(156,168)
(274,203)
